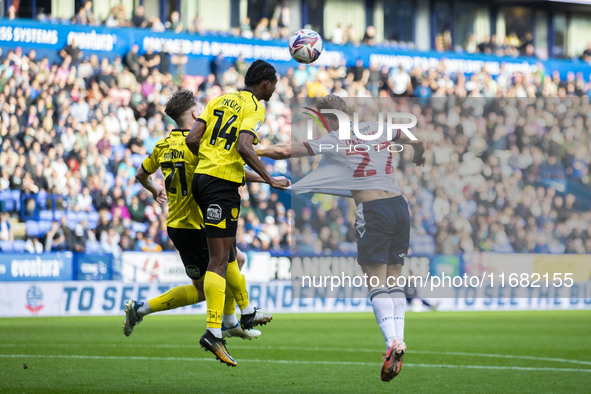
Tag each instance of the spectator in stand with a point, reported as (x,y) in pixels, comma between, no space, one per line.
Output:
(175,23)
(72,51)
(55,239)
(138,19)
(82,202)
(4,179)
(89,15)
(179,61)
(218,66)
(137,210)
(262,29)
(274,29)
(282,14)
(121,209)
(350,36)
(485,46)
(527,44)
(246,28)
(11,12)
(39,179)
(76,241)
(6,233)
(28,185)
(33,245)
(155,24)
(92,152)
(80,18)
(338,34)
(110,242)
(112,18)
(196,25)
(400,83)
(240,65)
(471,46)
(150,59)
(150,244)
(369,38)
(104,200)
(132,60)
(587,53)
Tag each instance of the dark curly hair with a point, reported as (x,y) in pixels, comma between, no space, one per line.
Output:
(178,103)
(260,71)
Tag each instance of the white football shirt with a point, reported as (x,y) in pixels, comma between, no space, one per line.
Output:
(351,164)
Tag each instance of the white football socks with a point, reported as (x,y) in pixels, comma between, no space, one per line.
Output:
(217,332)
(383,309)
(144,310)
(229,321)
(248,309)
(399,301)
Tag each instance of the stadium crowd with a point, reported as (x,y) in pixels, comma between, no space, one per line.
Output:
(79,129)
(275,27)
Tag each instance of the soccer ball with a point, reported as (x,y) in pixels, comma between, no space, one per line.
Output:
(305,46)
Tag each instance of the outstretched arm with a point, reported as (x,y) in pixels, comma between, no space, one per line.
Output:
(246,150)
(252,176)
(284,151)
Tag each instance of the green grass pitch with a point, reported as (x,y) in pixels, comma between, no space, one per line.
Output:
(454,352)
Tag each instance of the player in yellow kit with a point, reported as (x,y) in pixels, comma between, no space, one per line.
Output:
(223,137)
(185,223)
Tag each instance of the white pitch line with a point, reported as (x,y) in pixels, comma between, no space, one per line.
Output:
(510,356)
(326,349)
(316,362)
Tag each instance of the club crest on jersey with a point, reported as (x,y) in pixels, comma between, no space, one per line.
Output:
(214,212)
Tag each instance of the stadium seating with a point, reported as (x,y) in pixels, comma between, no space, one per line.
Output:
(102,155)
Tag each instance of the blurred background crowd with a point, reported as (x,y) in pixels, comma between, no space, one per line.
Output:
(74,132)
(506,175)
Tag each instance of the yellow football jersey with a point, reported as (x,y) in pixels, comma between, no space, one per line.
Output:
(225,117)
(178,165)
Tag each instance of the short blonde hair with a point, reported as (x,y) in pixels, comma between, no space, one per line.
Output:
(332,101)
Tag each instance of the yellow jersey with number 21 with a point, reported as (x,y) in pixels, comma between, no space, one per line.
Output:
(178,164)
(225,118)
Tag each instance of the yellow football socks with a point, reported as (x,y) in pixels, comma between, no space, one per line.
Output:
(175,298)
(230,303)
(214,287)
(237,284)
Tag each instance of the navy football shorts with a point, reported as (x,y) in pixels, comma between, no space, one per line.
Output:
(383,231)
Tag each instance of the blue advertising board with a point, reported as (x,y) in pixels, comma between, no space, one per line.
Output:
(47,39)
(36,267)
(93,266)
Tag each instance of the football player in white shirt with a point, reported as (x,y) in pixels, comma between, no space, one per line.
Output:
(363,170)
